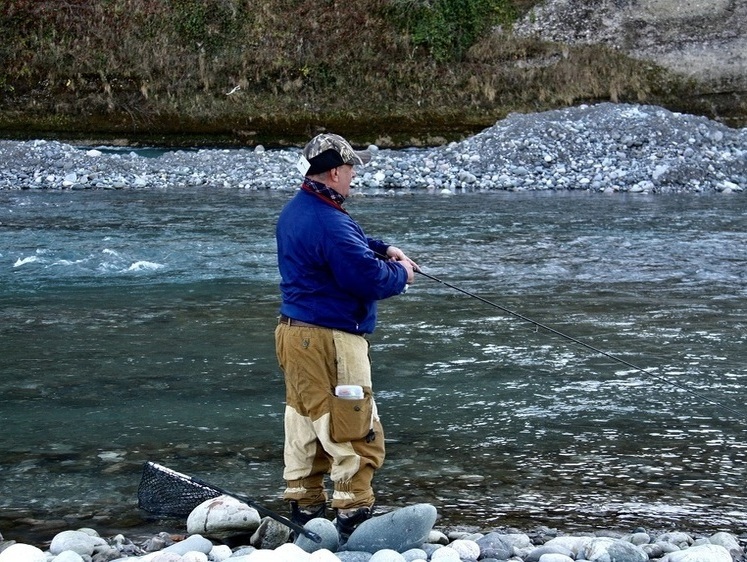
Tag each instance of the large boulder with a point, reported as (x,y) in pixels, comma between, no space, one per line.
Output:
(398,530)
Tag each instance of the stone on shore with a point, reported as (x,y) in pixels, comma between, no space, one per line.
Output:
(24,552)
(729,542)
(80,542)
(194,543)
(700,553)
(677,538)
(222,518)
(326,530)
(466,549)
(604,549)
(555,557)
(570,543)
(399,530)
(387,555)
(543,550)
(270,535)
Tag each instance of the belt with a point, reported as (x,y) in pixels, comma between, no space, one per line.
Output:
(283,319)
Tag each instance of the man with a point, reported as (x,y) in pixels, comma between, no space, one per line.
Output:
(332,275)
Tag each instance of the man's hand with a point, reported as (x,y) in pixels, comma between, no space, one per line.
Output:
(395,254)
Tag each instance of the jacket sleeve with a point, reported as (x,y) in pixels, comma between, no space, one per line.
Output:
(378,247)
(355,266)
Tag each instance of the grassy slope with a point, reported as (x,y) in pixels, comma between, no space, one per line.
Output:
(146,69)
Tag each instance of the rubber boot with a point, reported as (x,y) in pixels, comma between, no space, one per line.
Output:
(348,522)
(302,515)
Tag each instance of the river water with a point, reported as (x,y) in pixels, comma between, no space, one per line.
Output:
(138,325)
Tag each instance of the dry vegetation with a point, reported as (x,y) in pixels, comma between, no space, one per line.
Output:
(411,71)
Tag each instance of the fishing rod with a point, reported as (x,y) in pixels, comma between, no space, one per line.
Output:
(579,342)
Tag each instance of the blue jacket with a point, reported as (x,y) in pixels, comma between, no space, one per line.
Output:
(330,275)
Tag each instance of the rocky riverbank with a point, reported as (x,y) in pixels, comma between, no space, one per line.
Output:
(602,148)
(233,533)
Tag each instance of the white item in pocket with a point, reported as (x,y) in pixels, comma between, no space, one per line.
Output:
(349,391)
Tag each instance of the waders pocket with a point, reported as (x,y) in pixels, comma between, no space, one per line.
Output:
(350,420)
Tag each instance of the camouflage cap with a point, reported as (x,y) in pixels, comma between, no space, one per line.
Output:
(327,151)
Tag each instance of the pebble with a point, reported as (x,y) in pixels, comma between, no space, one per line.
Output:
(605,148)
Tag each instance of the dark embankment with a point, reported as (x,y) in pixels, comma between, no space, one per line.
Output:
(240,72)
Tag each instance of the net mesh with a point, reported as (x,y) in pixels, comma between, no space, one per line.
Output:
(165,492)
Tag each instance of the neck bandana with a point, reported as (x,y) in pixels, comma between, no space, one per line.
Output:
(329,195)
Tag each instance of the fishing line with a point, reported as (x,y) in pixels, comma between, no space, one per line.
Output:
(539,325)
